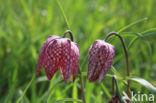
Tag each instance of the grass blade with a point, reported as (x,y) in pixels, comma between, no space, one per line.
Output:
(145,83)
(142,36)
(105,90)
(136,22)
(63,13)
(69,100)
(19,99)
(46,94)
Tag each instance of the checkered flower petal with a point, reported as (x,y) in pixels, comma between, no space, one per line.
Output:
(42,53)
(52,58)
(100,58)
(75,54)
(66,69)
(60,53)
(70,57)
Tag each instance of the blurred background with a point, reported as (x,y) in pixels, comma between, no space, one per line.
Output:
(25,25)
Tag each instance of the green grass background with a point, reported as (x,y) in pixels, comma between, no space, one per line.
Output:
(25,24)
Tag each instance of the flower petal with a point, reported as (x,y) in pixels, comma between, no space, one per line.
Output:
(93,51)
(42,53)
(75,54)
(100,58)
(52,58)
(95,61)
(66,69)
(108,62)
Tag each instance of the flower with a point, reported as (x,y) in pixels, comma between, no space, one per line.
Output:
(115,99)
(58,53)
(100,58)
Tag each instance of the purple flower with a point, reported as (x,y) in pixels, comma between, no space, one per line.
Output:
(100,58)
(58,53)
(115,99)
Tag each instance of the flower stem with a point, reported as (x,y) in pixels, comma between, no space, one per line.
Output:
(81,79)
(82,86)
(126,55)
(70,33)
(113,85)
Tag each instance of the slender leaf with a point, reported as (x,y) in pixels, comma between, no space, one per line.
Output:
(68,100)
(136,22)
(29,84)
(145,83)
(105,90)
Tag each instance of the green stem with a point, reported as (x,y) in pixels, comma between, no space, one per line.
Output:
(63,13)
(126,55)
(82,86)
(113,85)
(118,90)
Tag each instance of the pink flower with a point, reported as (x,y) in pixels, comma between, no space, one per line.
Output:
(59,53)
(100,58)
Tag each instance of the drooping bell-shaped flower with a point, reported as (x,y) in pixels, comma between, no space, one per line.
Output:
(43,52)
(100,58)
(115,99)
(59,53)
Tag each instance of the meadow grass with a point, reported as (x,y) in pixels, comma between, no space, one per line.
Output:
(25,24)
